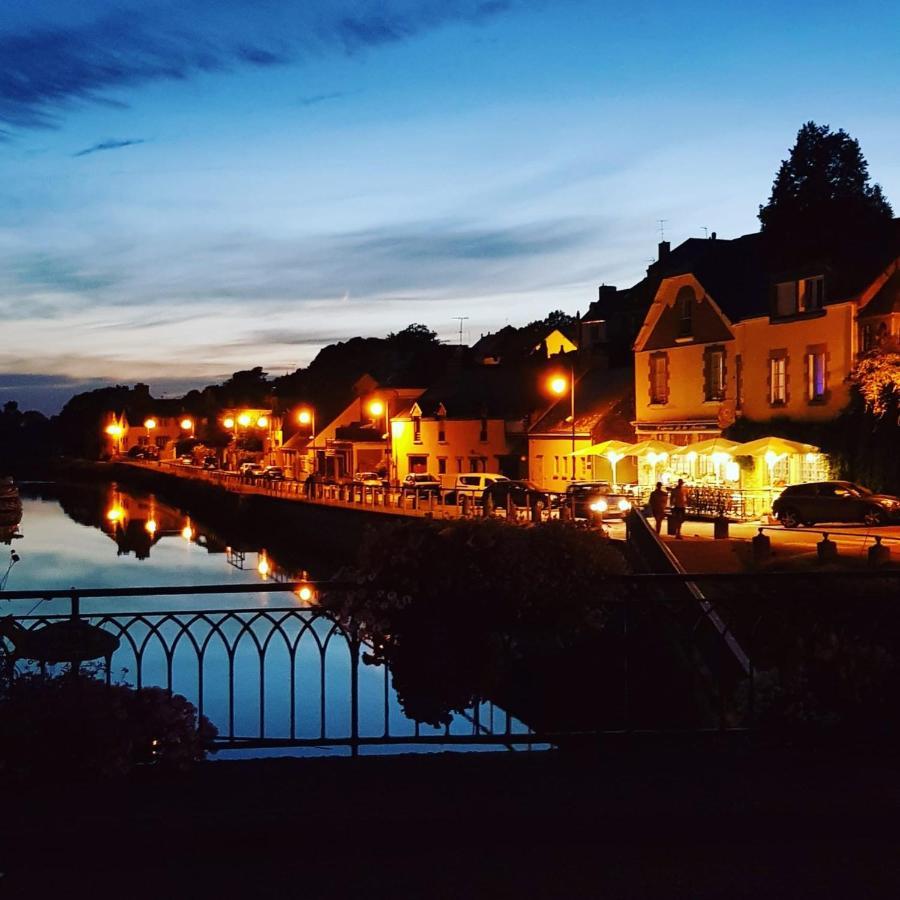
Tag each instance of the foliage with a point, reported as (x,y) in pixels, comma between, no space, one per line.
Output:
(824,187)
(451,608)
(65,724)
(25,438)
(877,376)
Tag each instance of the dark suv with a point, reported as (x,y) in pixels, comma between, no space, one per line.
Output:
(421,483)
(834,501)
(520,494)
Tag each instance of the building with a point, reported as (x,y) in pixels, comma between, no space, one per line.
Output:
(756,331)
(474,419)
(512,345)
(603,411)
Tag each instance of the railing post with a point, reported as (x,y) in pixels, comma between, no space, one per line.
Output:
(76,604)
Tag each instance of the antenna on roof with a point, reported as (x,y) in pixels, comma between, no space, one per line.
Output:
(460,319)
(662,228)
(705,231)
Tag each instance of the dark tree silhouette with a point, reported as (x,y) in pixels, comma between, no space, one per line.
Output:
(823,189)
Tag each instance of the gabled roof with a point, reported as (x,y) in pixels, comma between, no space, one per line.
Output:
(516,343)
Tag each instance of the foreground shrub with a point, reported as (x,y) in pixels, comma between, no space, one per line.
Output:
(451,608)
(64,725)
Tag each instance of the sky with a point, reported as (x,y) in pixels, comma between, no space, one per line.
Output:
(190,188)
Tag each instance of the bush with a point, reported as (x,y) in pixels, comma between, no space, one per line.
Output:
(452,608)
(64,725)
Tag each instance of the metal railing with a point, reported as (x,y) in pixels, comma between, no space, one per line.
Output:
(296,676)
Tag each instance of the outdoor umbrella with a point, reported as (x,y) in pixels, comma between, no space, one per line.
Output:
(613,451)
(645,448)
(772,445)
(708,447)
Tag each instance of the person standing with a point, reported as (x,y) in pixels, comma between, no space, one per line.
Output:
(679,507)
(659,500)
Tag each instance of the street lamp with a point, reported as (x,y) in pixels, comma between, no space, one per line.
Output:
(150,424)
(308,417)
(115,431)
(558,385)
(376,408)
(187,425)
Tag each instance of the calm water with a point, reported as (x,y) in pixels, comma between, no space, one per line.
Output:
(105,536)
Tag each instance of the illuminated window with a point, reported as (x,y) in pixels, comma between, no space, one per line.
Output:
(805,295)
(442,433)
(417,430)
(778,381)
(816,376)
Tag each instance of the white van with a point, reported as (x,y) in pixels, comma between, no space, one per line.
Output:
(473,484)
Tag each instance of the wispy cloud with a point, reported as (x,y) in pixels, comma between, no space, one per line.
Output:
(109,144)
(44,70)
(316,99)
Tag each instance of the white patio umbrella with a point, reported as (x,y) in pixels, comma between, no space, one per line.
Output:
(613,451)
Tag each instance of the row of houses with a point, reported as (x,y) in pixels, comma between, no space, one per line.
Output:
(716,332)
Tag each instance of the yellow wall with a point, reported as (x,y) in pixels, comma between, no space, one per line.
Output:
(460,447)
(551,468)
(754,340)
(557,342)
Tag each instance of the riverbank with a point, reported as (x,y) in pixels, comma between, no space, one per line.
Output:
(657,820)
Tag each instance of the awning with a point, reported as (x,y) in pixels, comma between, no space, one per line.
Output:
(645,448)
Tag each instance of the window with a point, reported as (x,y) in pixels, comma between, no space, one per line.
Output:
(714,375)
(816,376)
(442,433)
(685,305)
(866,338)
(739,381)
(805,295)
(778,381)
(417,430)
(442,465)
(483,431)
(659,378)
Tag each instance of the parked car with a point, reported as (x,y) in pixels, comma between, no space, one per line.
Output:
(472,484)
(834,501)
(186,460)
(251,470)
(273,473)
(210,462)
(421,484)
(521,494)
(368,479)
(595,500)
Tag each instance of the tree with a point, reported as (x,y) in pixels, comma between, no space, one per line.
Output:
(877,376)
(823,189)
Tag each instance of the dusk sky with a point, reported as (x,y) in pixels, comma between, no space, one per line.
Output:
(191,188)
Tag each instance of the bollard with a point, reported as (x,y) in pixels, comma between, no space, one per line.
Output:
(879,554)
(537,509)
(826,550)
(762,547)
(720,528)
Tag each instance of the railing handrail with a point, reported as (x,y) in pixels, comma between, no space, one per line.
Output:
(322,586)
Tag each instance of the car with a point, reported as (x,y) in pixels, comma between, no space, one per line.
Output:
(250,470)
(210,462)
(368,479)
(471,485)
(186,460)
(520,494)
(273,473)
(421,484)
(595,501)
(834,501)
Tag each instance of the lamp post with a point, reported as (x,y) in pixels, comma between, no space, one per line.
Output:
(187,425)
(308,417)
(115,431)
(150,424)
(558,386)
(376,408)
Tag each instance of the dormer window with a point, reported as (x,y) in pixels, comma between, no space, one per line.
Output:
(801,296)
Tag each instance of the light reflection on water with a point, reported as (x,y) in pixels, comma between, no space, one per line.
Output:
(107,537)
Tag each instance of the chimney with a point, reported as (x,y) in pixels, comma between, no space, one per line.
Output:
(605,290)
(664,247)
(712,237)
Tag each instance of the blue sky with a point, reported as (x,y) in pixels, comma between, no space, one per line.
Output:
(189,188)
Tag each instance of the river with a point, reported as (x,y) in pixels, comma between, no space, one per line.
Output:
(109,536)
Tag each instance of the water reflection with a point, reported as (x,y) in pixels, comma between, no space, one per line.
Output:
(151,536)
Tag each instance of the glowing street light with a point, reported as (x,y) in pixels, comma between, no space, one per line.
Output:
(262,422)
(228,422)
(307,417)
(377,408)
(243,420)
(115,431)
(559,385)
